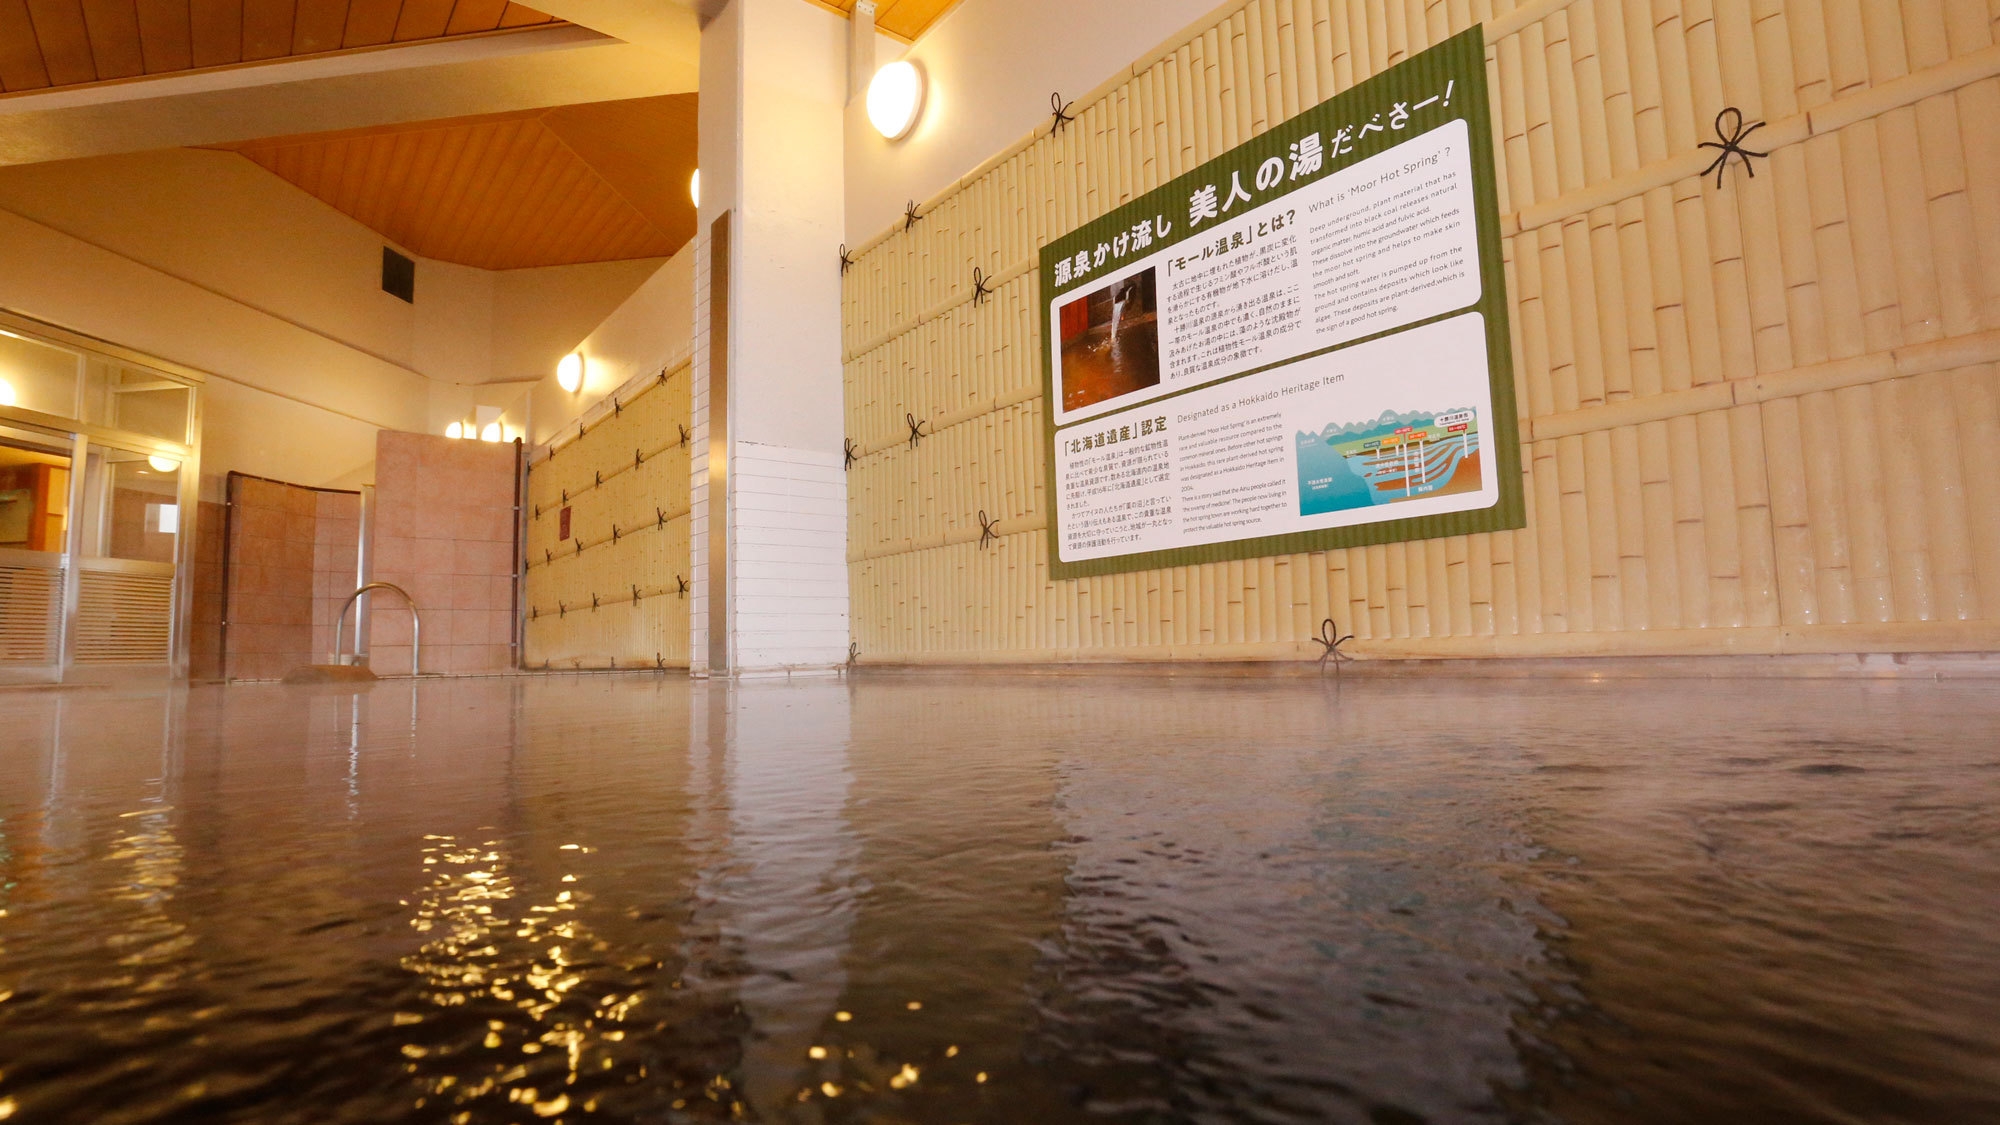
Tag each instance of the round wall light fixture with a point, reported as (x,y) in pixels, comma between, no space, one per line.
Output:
(163,464)
(895,97)
(455,431)
(491,432)
(569,373)
(694,187)
(7,395)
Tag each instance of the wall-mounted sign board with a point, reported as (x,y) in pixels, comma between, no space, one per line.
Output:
(1300,345)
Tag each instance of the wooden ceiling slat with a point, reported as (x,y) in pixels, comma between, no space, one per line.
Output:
(509,191)
(535,167)
(422,160)
(540,227)
(164,37)
(318,25)
(267,29)
(475,15)
(646,147)
(371,23)
(21,66)
(515,15)
(422,19)
(217,27)
(65,41)
(491,180)
(434,195)
(113,26)
(472,171)
(377,181)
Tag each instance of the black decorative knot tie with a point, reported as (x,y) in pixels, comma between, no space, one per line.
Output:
(600,477)
(910,215)
(617,409)
(683,591)
(638,458)
(593,603)
(534,613)
(663,374)
(548,556)
(916,429)
(847,448)
(980,290)
(562,609)
(1063,115)
(853,653)
(661,515)
(1731,144)
(684,435)
(538,511)
(1330,643)
(987,533)
(660,661)
(846,263)
(635,595)
(614,533)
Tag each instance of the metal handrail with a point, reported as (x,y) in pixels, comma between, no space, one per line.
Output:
(416,625)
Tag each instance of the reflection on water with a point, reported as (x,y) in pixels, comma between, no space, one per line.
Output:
(1001,899)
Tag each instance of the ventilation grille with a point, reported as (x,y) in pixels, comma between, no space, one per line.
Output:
(124,617)
(30,600)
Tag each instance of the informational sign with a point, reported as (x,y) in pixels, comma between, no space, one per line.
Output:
(1298,346)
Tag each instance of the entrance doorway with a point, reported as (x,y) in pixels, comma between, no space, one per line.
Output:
(97,489)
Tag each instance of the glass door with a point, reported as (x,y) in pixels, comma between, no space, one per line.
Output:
(34,532)
(128,541)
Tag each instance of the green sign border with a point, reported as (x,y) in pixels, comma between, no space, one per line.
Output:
(1460,60)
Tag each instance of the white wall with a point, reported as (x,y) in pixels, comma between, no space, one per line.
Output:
(992,65)
(652,330)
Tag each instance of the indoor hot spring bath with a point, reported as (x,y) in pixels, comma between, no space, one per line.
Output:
(1122,897)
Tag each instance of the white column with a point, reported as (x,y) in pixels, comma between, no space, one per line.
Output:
(773,89)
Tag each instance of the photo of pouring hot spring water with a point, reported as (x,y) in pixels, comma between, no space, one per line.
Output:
(1388,459)
(1111,341)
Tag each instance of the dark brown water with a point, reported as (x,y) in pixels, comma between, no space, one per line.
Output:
(1003,899)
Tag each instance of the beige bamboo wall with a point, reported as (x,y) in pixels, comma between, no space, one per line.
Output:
(628,472)
(1762,418)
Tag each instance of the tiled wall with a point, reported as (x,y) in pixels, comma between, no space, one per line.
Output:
(336,541)
(444,531)
(272,531)
(205,615)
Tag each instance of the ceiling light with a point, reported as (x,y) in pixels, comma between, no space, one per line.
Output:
(491,432)
(694,187)
(7,396)
(569,373)
(455,430)
(163,464)
(894,97)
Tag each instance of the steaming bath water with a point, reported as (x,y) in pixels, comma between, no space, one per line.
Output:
(1142,898)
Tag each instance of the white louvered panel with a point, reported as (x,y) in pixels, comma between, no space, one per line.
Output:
(30,598)
(123,617)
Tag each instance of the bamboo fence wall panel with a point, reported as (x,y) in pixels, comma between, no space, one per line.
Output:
(1758,417)
(618,602)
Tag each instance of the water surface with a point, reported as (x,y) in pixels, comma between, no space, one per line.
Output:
(1002,899)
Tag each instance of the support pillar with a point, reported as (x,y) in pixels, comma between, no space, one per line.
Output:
(770,493)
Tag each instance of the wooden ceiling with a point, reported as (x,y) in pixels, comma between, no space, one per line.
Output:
(599,182)
(904,19)
(46,43)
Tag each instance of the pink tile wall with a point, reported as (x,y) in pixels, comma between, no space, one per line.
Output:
(271,536)
(291,554)
(336,545)
(444,531)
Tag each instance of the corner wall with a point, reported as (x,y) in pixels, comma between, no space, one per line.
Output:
(1754,418)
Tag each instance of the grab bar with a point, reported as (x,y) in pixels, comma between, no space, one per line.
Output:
(416,625)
